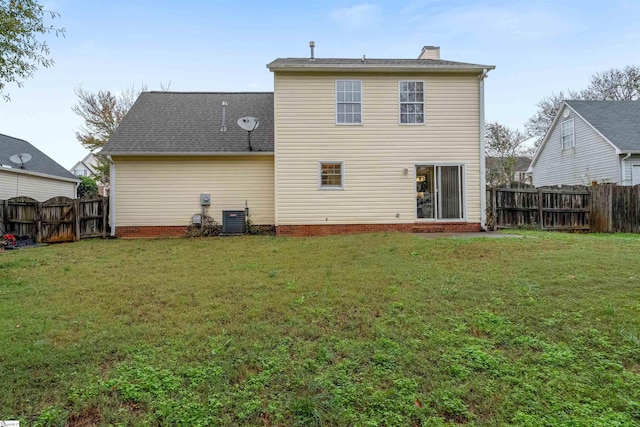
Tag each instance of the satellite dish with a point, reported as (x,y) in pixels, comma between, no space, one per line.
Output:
(248,123)
(21,159)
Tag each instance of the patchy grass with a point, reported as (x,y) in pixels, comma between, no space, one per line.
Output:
(371,330)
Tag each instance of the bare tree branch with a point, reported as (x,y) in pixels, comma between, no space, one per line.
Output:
(611,85)
(102,112)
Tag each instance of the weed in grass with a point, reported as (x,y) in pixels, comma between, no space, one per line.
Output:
(630,337)
(450,289)
(312,408)
(450,404)
(609,309)
(558,355)
(556,318)
(52,417)
(290,284)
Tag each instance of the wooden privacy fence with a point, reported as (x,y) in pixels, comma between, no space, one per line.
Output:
(59,219)
(615,209)
(565,208)
(605,208)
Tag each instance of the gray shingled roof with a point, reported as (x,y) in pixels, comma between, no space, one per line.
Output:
(39,163)
(329,64)
(618,121)
(189,123)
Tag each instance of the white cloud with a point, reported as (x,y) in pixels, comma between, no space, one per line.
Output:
(517,21)
(356,17)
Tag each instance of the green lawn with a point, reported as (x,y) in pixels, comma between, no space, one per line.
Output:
(370,330)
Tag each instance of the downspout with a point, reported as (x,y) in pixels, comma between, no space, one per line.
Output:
(622,169)
(483,179)
(112,196)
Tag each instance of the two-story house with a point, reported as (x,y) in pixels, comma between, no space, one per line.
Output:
(341,146)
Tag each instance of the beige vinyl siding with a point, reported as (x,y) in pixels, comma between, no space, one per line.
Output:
(166,190)
(375,152)
(592,158)
(14,184)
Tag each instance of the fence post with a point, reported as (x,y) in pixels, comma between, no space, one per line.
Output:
(105,208)
(540,210)
(5,216)
(494,208)
(38,218)
(76,219)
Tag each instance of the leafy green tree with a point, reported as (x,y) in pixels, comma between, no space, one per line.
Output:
(88,188)
(22,50)
(503,147)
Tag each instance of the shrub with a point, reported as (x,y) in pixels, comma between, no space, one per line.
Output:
(87,188)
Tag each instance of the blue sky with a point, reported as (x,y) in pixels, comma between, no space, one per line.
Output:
(538,47)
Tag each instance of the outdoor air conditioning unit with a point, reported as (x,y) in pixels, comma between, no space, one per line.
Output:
(233,222)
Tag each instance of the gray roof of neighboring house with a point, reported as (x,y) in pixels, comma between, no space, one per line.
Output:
(331,64)
(183,123)
(618,121)
(39,163)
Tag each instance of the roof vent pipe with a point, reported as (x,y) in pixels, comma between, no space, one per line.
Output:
(223,128)
(312,44)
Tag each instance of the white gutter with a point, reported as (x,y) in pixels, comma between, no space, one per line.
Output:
(483,179)
(38,174)
(187,154)
(112,196)
(622,169)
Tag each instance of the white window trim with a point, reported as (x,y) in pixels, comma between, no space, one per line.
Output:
(573,133)
(424,108)
(330,187)
(336,102)
(465,197)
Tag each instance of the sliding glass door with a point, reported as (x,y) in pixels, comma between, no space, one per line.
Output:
(440,192)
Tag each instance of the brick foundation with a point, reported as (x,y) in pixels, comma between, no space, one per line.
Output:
(151,232)
(420,227)
(314,230)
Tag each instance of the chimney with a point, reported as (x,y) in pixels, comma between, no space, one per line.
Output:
(430,52)
(312,44)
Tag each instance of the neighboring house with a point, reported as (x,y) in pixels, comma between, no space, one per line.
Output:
(590,142)
(495,167)
(87,167)
(39,177)
(343,145)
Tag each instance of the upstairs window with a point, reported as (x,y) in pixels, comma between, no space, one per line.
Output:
(411,102)
(567,134)
(349,102)
(331,175)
